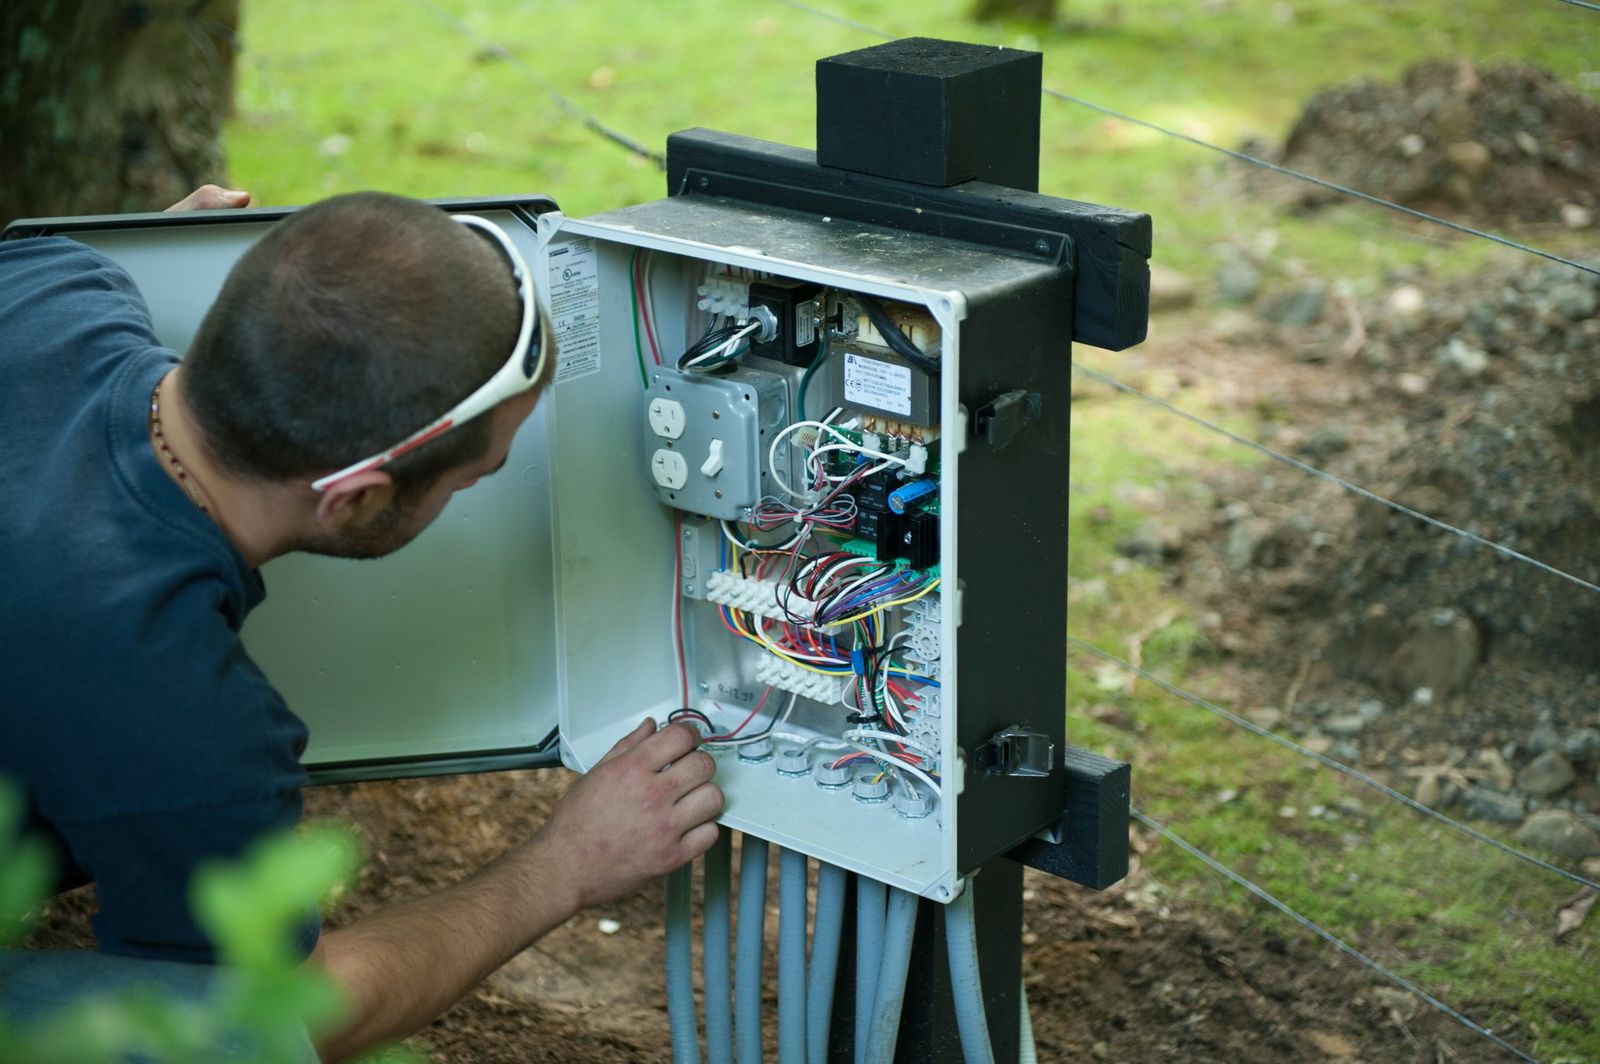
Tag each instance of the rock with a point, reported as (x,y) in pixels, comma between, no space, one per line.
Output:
(1559,832)
(1463,359)
(1345,726)
(1428,790)
(1411,145)
(1526,142)
(1438,657)
(1470,157)
(1411,383)
(1582,744)
(1327,441)
(1265,717)
(1574,216)
(1169,289)
(1317,743)
(1244,541)
(1546,775)
(1371,709)
(1352,806)
(1303,306)
(1152,542)
(1407,308)
(1487,804)
(1345,751)
(1238,281)
(1403,1004)
(1542,739)
(1575,301)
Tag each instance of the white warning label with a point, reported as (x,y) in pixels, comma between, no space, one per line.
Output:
(881,385)
(575,308)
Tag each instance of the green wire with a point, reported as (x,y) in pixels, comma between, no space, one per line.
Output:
(805,381)
(633,297)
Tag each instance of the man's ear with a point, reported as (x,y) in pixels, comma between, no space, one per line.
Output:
(354,501)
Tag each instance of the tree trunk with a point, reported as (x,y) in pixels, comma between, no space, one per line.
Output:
(1032,10)
(111,105)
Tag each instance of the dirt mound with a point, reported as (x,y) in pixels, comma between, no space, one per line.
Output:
(1398,644)
(1499,144)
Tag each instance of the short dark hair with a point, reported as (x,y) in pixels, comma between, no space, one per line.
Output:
(347,327)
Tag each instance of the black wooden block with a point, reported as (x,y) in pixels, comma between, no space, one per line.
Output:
(932,112)
(1094,845)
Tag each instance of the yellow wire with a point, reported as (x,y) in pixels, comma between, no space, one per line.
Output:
(886,605)
(769,648)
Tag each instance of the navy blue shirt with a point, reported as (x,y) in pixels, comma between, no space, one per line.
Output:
(145,739)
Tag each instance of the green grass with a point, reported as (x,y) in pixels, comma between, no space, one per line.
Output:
(369,94)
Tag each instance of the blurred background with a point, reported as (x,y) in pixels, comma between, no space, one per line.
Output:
(1427,363)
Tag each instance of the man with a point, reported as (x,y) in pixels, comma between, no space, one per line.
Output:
(141,498)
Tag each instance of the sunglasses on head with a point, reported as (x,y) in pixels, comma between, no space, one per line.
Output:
(521,371)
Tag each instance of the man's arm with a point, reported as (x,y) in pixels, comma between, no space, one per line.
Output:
(647,807)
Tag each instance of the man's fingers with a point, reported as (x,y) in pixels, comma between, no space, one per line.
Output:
(669,744)
(646,728)
(702,804)
(697,841)
(689,771)
(212,197)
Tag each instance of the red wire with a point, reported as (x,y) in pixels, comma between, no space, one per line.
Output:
(764,696)
(644,314)
(677,602)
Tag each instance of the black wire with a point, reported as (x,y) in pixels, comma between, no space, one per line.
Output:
(897,340)
(710,341)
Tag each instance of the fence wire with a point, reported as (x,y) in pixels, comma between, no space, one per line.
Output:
(1328,762)
(1354,489)
(1328,936)
(1252,160)
(560,99)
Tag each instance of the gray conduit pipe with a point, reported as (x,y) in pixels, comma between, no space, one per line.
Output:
(870,895)
(1027,1051)
(966,982)
(716,873)
(898,929)
(680,968)
(826,928)
(791,957)
(752,929)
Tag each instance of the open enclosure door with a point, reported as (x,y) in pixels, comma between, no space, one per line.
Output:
(440,658)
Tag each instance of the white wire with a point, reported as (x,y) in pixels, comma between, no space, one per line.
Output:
(896,763)
(883,736)
(845,444)
(726,348)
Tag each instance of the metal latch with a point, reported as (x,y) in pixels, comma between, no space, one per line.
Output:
(1016,751)
(1000,419)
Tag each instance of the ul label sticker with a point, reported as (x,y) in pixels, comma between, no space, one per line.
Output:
(575,308)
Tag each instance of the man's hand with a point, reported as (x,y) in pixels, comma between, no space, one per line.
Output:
(211,197)
(647,807)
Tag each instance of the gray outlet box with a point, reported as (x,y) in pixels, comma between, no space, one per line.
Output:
(708,437)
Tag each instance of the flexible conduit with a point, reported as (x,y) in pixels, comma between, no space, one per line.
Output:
(825,931)
(791,957)
(752,930)
(966,982)
(680,966)
(898,929)
(717,873)
(870,895)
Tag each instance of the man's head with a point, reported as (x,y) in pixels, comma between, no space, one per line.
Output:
(346,328)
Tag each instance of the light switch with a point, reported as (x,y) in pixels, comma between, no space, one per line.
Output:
(669,469)
(713,463)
